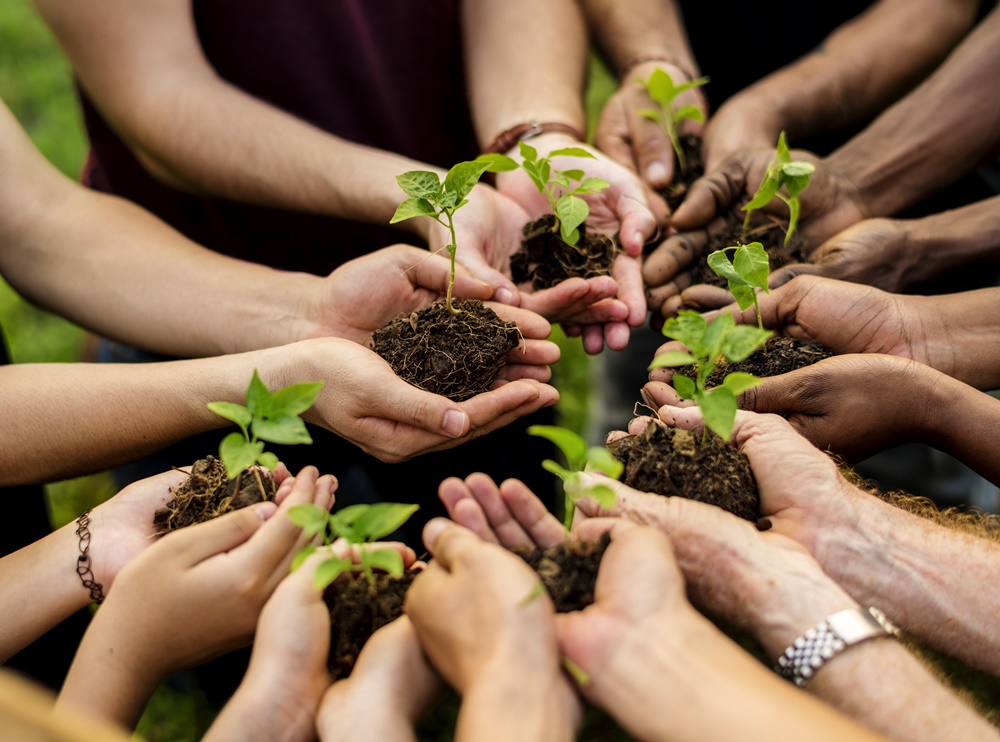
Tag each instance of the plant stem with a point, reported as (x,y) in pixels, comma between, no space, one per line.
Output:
(452,249)
(671,126)
(570,508)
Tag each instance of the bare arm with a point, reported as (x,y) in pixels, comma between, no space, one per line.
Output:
(860,68)
(944,129)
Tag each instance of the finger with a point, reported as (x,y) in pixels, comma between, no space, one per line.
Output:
(593,529)
(531,324)
(534,353)
(515,372)
(616,335)
(501,525)
(577,300)
(543,528)
(783,275)
(404,403)
(464,509)
(606,310)
(673,255)
(712,194)
(653,152)
(778,394)
(450,544)
(638,225)
(504,290)
(432,272)
(612,135)
(686,418)
(702,297)
(573,330)
(346,550)
(656,394)
(627,272)
(593,339)
(199,542)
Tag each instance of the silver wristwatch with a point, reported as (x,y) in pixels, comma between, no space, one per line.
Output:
(829,638)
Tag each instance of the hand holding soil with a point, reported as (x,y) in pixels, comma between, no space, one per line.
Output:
(392,665)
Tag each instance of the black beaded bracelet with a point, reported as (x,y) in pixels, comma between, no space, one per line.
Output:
(84,567)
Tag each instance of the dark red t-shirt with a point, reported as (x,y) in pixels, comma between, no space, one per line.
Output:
(385,73)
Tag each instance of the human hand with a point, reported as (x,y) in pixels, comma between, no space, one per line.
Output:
(632,140)
(743,122)
(194,594)
(510,515)
(390,688)
(482,626)
(833,403)
(367,404)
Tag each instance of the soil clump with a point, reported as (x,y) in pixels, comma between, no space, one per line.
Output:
(545,260)
(779,356)
(675,192)
(458,356)
(208,493)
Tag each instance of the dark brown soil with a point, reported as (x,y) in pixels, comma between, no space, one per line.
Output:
(765,229)
(674,193)
(458,356)
(545,260)
(678,463)
(357,610)
(779,356)
(208,494)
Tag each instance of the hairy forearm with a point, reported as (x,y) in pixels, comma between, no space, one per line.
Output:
(64,420)
(41,589)
(941,131)
(929,580)
(862,66)
(643,30)
(792,599)
(525,62)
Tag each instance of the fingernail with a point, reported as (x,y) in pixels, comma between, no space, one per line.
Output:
(454,423)
(333,484)
(656,173)
(504,296)
(638,239)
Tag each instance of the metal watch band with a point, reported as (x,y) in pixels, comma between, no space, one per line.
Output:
(829,638)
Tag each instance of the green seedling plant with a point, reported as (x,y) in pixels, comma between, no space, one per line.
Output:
(359,525)
(783,171)
(556,185)
(708,343)
(579,458)
(746,273)
(662,90)
(431,197)
(267,416)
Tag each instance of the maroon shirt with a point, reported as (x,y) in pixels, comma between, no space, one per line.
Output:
(385,73)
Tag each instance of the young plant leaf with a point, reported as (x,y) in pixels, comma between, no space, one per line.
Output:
(419,184)
(571,152)
(329,571)
(312,519)
(752,265)
(554,467)
(497,163)
(268,460)
(684,386)
(258,397)
(742,341)
(388,560)
(573,446)
(738,382)
(592,185)
(718,410)
(297,398)
(528,153)
(600,459)
(461,179)
(381,519)
(720,264)
(283,429)
(301,555)
(233,412)
(672,359)
(237,453)
(690,112)
(572,212)
(798,168)
(768,188)
(413,207)
(575,175)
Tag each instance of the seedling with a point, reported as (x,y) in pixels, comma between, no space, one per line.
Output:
(709,343)
(783,171)
(358,525)
(429,196)
(570,210)
(272,417)
(661,89)
(746,273)
(579,458)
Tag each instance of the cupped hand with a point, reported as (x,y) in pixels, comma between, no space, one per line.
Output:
(743,122)
(475,611)
(197,592)
(391,686)
(510,514)
(830,203)
(364,294)
(852,405)
(636,142)
(876,252)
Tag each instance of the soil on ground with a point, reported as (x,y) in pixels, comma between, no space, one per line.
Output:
(458,356)
(207,494)
(358,610)
(545,260)
(779,356)
(679,463)
(694,168)
(766,229)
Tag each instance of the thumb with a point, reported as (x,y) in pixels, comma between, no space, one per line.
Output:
(653,152)
(504,290)
(710,195)
(773,394)
(783,275)
(226,532)
(638,225)
(434,413)
(432,272)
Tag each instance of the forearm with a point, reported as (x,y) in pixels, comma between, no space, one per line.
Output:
(41,589)
(862,66)
(639,31)
(960,335)
(64,420)
(952,239)
(941,131)
(970,431)
(913,706)
(250,715)
(929,580)
(162,292)
(525,62)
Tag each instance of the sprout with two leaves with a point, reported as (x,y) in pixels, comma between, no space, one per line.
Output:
(783,171)
(662,90)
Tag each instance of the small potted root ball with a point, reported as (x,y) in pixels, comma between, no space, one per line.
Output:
(703,467)
(557,246)
(452,348)
(777,237)
(687,147)
(241,476)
